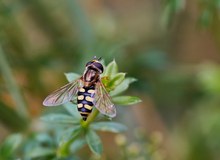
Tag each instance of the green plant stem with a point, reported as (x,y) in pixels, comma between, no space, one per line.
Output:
(64,148)
(90,119)
(12,86)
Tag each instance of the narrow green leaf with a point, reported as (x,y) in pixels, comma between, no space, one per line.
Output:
(94,142)
(72,109)
(111,69)
(43,137)
(115,81)
(70,133)
(40,152)
(10,144)
(109,126)
(59,118)
(71,76)
(11,84)
(65,143)
(77,145)
(126,100)
(123,86)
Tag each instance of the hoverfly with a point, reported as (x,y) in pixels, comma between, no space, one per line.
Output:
(89,90)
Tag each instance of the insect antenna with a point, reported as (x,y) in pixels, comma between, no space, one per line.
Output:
(95,58)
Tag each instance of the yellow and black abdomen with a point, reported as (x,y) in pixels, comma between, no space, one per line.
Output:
(85,101)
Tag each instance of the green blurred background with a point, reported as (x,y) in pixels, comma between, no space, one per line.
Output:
(170,46)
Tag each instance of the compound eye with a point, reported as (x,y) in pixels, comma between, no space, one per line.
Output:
(99,66)
(89,63)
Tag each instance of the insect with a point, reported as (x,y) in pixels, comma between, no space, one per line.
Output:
(89,90)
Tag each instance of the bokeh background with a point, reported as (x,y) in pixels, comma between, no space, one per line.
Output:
(170,46)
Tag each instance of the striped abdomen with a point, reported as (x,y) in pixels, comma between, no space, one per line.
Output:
(85,101)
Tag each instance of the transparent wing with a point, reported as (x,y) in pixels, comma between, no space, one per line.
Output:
(63,94)
(102,101)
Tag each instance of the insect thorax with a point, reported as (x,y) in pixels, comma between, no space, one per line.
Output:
(90,76)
